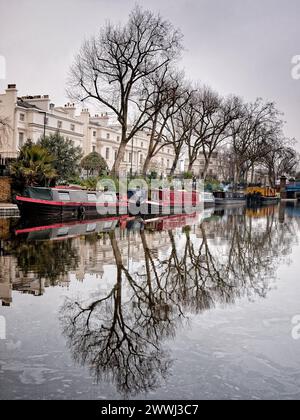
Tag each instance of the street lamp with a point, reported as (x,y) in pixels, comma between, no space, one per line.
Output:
(131,166)
(137,157)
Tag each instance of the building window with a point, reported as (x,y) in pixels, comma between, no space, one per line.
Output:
(107,136)
(168,163)
(107,153)
(22,117)
(141,159)
(59,124)
(21,139)
(94,148)
(142,144)
(118,138)
(94,133)
(116,153)
(46,121)
(72,127)
(130,157)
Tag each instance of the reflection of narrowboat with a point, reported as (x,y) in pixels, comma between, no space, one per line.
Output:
(171,222)
(60,231)
(227,198)
(69,203)
(208,199)
(261,196)
(261,211)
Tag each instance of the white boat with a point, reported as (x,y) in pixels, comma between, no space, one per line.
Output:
(208,199)
(228,198)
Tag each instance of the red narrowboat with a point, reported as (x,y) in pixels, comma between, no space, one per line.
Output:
(69,203)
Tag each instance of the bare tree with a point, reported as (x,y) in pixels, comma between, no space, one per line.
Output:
(214,115)
(226,164)
(179,127)
(112,66)
(168,95)
(252,135)
(282,159)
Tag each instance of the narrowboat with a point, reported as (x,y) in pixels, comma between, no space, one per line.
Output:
(262,196)
(208,199)
(162,202)
(229,198)
(69,203)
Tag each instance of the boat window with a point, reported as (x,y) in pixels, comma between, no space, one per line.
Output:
(64,196)
(107,225)
(63,231)
(92,197)
(109,198)
(91,227)
(39,193)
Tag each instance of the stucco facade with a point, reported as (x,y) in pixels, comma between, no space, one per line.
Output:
(30,117)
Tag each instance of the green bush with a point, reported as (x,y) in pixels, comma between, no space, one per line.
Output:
(188,175)
(66,157)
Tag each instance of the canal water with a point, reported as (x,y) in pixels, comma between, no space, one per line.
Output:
(198,307)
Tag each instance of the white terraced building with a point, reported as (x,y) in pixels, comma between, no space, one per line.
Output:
(29,117)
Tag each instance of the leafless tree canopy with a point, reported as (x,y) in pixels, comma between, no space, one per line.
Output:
(131,70)
(111,68)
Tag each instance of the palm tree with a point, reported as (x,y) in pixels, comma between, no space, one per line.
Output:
(34,166)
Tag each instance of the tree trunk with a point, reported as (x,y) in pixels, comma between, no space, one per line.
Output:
(174,166)
(236,175)
(146,164)
(206,166)
(190,166)
(252,174)
(120,156)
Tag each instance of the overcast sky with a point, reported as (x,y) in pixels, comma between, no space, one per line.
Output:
(236,46)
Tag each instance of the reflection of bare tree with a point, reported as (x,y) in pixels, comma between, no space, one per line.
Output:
(115,337)
(120,335)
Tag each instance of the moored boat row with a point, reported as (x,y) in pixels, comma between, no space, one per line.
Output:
(72,203)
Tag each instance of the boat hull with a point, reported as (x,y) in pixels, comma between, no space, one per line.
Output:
(226,202)
(148,210)
(33,209)
(260,201)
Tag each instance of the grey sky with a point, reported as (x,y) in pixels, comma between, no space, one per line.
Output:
(236,46)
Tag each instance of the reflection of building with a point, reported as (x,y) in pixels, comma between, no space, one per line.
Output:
(7,273)
(94,253)
(94,256)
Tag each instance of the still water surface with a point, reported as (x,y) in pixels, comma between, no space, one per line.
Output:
(190,308)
